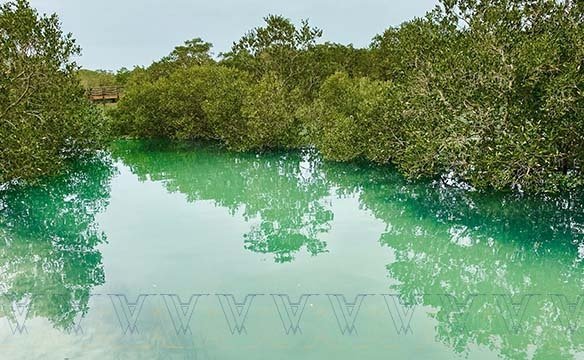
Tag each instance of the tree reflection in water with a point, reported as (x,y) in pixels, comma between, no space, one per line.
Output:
(489,267)
(285,191)
(48,243)
(501,259)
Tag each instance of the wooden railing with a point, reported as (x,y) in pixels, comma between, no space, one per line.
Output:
(105,94)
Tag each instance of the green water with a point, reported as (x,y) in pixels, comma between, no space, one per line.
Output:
(191,252)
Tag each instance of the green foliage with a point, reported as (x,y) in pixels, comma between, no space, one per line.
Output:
(250,101)
(269,109)
(169,107)
(347,118)
(122,76)
(247,115)
(96,78)
(193,52)
(212,103)
(44,116)
(488,93)
(278,48)
(100,78)
(497,100)
(286,209)
(223,107)
(323,60)
(50,241)
(273,48)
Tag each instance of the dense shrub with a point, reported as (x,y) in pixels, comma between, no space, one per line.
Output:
(347,119)
(487,92)
(168,107)
(96,78)
(223,108)
(269,110)
(278,48)
(212,103)
(44,116)
(498,102)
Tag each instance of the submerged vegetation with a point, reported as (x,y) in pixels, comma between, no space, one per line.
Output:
(488,93)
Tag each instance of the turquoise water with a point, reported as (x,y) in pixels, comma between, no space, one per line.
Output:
(191,252)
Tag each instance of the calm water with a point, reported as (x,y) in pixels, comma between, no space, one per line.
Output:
(191,252)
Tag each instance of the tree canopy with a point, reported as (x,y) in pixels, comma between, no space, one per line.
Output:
(487,92)
(45,118)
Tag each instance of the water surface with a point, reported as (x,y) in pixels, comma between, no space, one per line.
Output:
(192,252)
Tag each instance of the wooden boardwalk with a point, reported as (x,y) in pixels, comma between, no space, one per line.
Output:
(105,94)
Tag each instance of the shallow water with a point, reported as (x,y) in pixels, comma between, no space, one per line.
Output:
(192,252)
